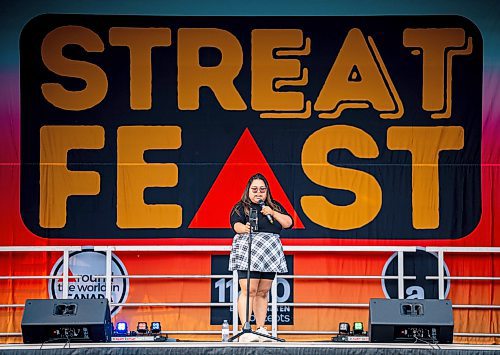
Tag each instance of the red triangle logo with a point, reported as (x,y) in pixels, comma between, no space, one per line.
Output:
(245,160)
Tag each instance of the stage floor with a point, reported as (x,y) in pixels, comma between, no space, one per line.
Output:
(217,348)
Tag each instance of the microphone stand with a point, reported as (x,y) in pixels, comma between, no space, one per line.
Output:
(246,327)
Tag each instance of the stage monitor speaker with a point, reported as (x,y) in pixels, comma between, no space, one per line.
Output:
(394,320)
(74,320)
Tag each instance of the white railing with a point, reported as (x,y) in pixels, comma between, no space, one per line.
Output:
(108,250)
(440,252)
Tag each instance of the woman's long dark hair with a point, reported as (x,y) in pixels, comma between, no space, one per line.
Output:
(245,202)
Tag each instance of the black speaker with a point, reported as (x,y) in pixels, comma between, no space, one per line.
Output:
(394,320)
(78,320)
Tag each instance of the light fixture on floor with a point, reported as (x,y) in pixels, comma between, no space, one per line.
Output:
(121,328)
(344,328)
(357,328)
(155,327)
(142,328)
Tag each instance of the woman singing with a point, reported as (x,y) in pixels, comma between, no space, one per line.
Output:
(267,256)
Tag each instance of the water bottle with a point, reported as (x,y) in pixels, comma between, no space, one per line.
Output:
(225,330)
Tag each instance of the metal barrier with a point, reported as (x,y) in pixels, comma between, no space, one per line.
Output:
(108,250)
(440,252)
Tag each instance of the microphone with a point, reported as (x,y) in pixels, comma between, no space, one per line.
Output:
(269,218)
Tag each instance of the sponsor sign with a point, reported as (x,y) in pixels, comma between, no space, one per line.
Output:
(419,264)
(222,292)
(89,267)
(149,127)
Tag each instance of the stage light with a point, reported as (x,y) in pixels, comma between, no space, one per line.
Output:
(121,328)
(155,327)
(357,328)
(142,327)
(344,328)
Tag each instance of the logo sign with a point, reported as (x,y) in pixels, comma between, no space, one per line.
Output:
(90,266)
(222,292)
(419,264)
(149,127)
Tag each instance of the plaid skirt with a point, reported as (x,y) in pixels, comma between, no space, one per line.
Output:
(267,253)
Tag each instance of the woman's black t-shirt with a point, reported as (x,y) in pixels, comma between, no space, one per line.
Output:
(238,215)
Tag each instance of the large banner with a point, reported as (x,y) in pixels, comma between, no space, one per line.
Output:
(137,127)
(143,130)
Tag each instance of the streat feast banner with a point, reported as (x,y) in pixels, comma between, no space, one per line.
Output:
(149,127)
(133,130)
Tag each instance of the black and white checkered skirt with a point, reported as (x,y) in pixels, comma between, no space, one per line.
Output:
(267,253)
